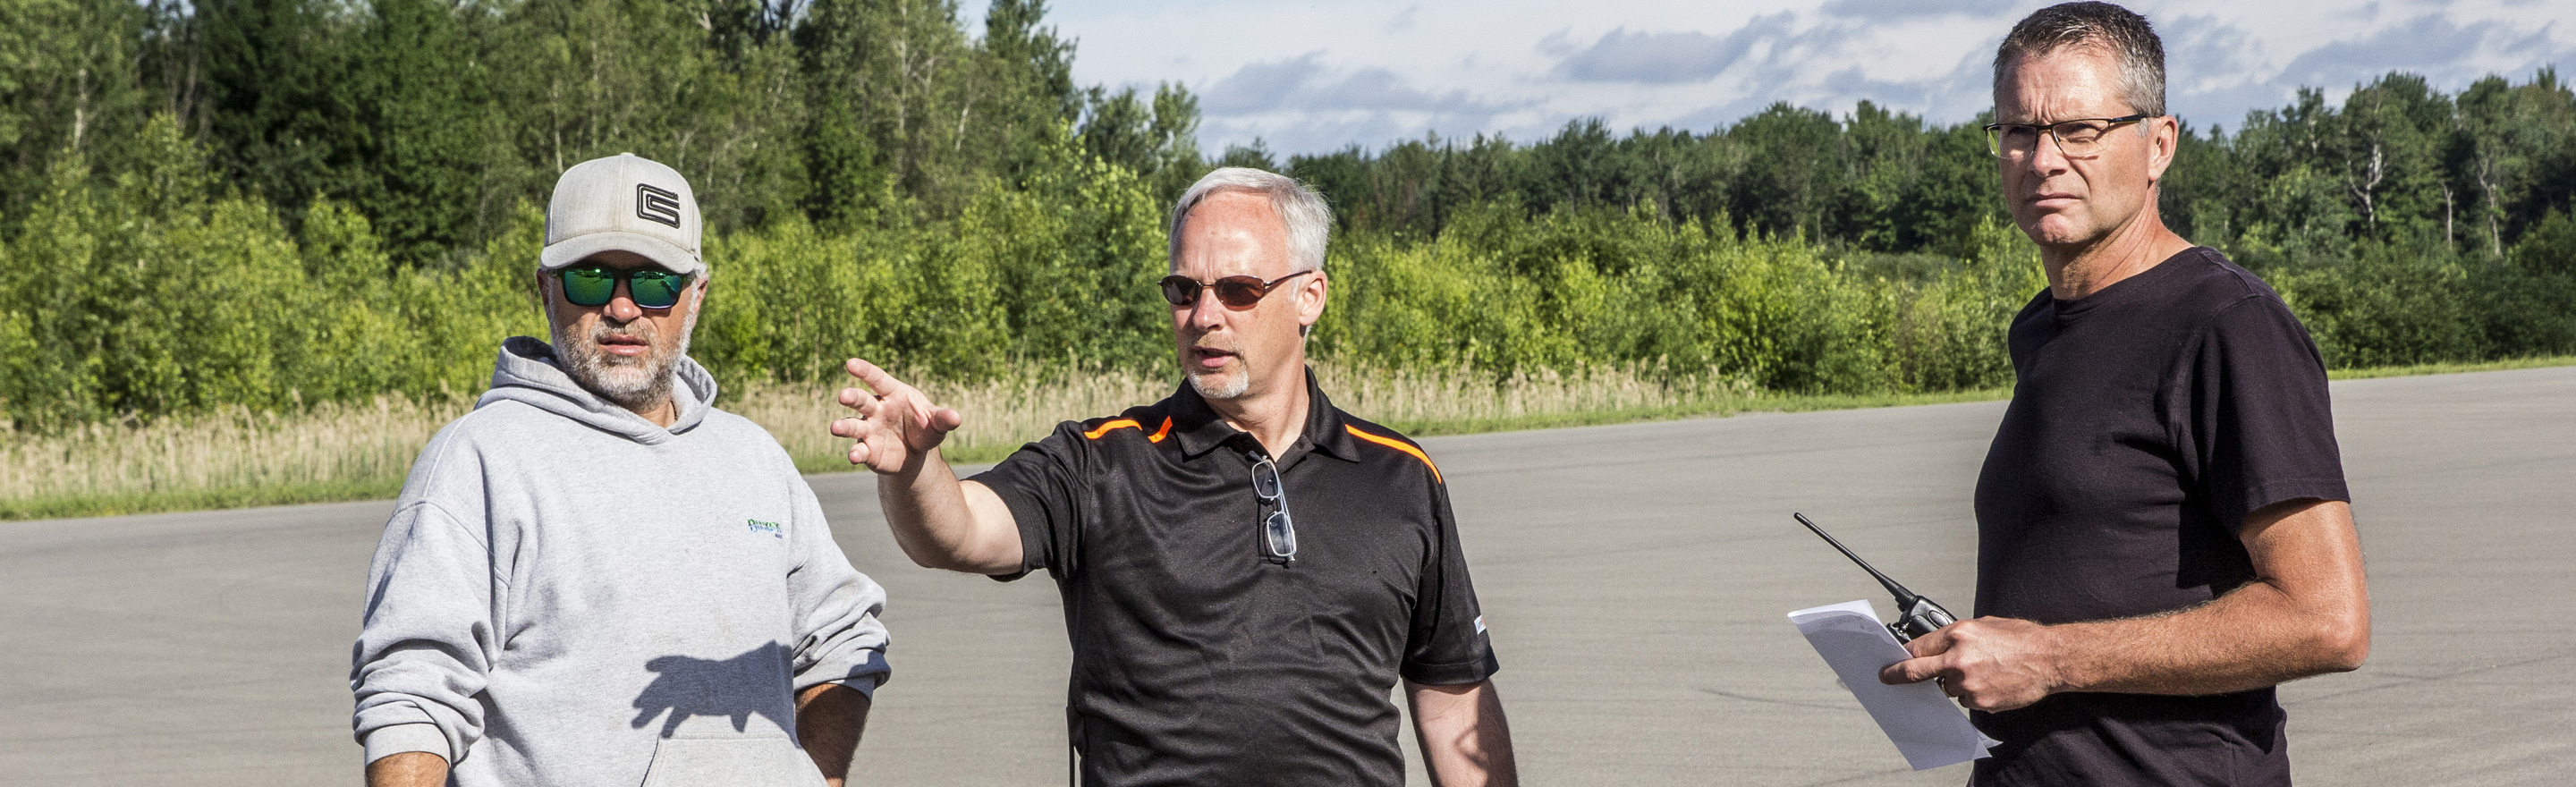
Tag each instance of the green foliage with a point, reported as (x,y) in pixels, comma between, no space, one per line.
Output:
(68,80)
(1050,273)
(277,203)
(157,296)
(2388,306)
(1576,289)
(424,98)
(1878,180)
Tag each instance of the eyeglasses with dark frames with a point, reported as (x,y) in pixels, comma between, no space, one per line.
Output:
(1236,292)
(1278,530)
(2078,138)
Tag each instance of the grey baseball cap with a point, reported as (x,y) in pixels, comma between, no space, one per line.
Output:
(623,203)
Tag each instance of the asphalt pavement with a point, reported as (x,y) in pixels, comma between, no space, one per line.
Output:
(1635,578)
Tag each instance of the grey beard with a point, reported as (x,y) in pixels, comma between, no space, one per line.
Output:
(1234,390)
(638,384)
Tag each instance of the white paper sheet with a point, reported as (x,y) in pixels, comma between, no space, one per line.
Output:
(1929,729)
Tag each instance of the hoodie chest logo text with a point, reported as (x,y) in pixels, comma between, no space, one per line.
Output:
(765,528)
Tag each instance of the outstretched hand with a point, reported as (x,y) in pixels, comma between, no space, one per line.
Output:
(1988,664)
(896,425)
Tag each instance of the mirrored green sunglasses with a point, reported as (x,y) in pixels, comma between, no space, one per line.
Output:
(595,285)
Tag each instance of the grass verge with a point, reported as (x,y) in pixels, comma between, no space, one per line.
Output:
(198,499)
(2452,368)
(361,451)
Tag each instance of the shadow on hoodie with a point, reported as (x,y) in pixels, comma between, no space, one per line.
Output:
(686,686)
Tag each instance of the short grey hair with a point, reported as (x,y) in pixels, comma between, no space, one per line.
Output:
(2119,31)
(1309,221)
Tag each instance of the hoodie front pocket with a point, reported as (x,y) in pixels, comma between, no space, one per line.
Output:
(730,761)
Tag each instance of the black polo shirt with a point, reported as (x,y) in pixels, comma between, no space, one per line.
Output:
(1198,659)
(2148,420)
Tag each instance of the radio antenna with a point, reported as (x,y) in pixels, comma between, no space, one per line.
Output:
(1904,598)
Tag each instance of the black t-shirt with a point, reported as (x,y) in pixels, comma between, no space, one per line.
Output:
(1199,659)
(2147,421)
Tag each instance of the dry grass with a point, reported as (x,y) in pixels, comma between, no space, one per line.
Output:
(361,451)
(333,451)
(1000,415)
(2536,362)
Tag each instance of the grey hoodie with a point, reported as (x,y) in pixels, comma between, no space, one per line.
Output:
(568,594)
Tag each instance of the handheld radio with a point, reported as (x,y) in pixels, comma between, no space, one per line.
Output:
(1915,615)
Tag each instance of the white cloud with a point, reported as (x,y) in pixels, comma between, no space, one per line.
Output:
(1326,74)
(2432,45)
(1302,104)
(1657,58)
(1907,9)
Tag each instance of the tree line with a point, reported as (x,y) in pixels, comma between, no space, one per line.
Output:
(434,117)
(267,203)
(2398,162)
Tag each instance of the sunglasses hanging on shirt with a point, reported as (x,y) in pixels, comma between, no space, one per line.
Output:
(1278,531)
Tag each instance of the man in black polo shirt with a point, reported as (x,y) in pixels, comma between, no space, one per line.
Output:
(1247,571)
(2162,527)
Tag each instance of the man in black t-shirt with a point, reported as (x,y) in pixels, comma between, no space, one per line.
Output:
(1247,571)
(2163,532)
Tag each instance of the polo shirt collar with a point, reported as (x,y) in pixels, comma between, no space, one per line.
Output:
(1199,429)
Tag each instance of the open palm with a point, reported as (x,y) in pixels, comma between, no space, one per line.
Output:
(895,424)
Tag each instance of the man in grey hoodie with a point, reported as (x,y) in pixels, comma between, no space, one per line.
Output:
(597,578)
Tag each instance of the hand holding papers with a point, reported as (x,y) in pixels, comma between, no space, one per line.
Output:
(1929,730)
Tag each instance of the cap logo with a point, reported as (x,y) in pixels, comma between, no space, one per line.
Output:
(657,205)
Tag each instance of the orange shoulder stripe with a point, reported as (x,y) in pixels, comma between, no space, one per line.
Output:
(1130,423)
(1397,445)
(1104,428)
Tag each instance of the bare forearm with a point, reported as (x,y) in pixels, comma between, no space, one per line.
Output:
(2306,613)
(407,769)
(936,520)
(939,522)
(1465,739)
(927,510)
(2253,637)
(829,720)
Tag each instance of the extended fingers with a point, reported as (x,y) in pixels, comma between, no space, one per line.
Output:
(879,451)
(873,377)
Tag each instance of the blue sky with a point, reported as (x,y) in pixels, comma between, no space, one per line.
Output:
(1317,76)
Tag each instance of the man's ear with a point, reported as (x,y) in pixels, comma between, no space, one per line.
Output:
(546,301)
(2164,144)
(1311,297)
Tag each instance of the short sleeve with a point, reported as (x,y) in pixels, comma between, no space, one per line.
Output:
(1446,645)
(2260,419)
(1038,483)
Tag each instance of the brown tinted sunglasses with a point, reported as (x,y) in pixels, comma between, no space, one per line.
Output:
(1236,292)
